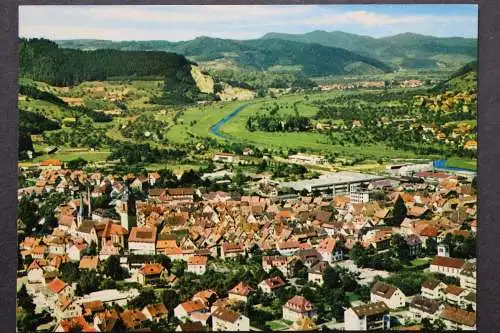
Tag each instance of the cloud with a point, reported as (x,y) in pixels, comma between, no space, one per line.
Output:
(365,18)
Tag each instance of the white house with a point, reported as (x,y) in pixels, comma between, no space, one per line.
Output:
(455,318)
(192,310)
(268,286)
(433,289)
(298,308)
(315,274)
(36,270)
(240,292)
(421,307)
(329,251)
(197,265)
(366,317)
(455,295)
(227,320)
(142,240)
(383,292)
(447,266)
(75,251)
(468,277)
(155,312)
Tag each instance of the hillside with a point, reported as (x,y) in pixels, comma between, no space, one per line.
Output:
(44,60)
(464,79)
(259,54)
(408,50)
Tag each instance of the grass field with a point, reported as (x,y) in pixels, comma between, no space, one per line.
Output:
(277,325)
(465,163)
(90,156)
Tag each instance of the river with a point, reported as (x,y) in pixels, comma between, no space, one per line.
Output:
(215,129)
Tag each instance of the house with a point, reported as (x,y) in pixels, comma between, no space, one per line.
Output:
(224,158)
(91,308)
(105,321)
(89,262)
(190,327)
(74,324)
(414,244)
(367,317)
(308,257)
(329,251)
(433,289)
(422,307)
(281,263)
(468,276)
(142,240)
(298,308)
(383,292)
(114,233)
(454,294)
(447,266)
(36,270)
(268,286)
(59,288)
(232,250)
(177,195)
(455,318)
(66,308)
(208,297)
(75,252)
(240,292)
(470,299)
(87,231)
(133,319)
(315,274)
(192,310)
(51,165)
(197,265)
(226,320)
(150,274)
(155,312)
(288,248)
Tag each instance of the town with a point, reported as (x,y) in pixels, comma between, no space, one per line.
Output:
(342,251)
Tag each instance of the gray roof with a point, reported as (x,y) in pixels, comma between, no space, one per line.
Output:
(331,179)
(424,304)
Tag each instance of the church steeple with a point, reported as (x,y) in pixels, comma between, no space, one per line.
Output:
(79,217)
(90,207)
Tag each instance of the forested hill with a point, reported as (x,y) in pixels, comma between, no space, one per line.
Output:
(464,79)
(407,50)
(259,54)
(44,60)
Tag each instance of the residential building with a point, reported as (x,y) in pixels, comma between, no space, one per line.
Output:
(329,251)
(392,296)
(367,317)
(447,266)
(155,312)
(468,276)
(232,250)
(226,320)
(268,286)
(192,310)
(454,295)
(150,274)
(455,319)
(433,289)
(316,272)
(240,292)
(197,265)
(298,308)
(422,307)
(142,240)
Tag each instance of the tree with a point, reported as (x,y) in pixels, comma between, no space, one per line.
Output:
(164,261)
(69,272)
(299,270)
(401,247)
(399,212)
(92,250)
(88,282)
(331,278)
(146,296)
(113,269)
(170,299)
(25,301)
(78,163)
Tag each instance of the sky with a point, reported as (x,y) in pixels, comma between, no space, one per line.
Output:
(176,23)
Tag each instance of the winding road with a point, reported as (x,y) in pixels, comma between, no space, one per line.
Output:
(215,129)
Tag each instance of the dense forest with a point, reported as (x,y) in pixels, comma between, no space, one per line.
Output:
(44,60)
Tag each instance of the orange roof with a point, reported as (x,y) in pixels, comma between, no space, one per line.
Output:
(89,262)
(74,323)
(241,289)
(193,306)
(51,163)
(197,260)
(448,262)
(56,285)
(151,269)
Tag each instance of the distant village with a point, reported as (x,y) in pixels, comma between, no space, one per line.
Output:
(144,244)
